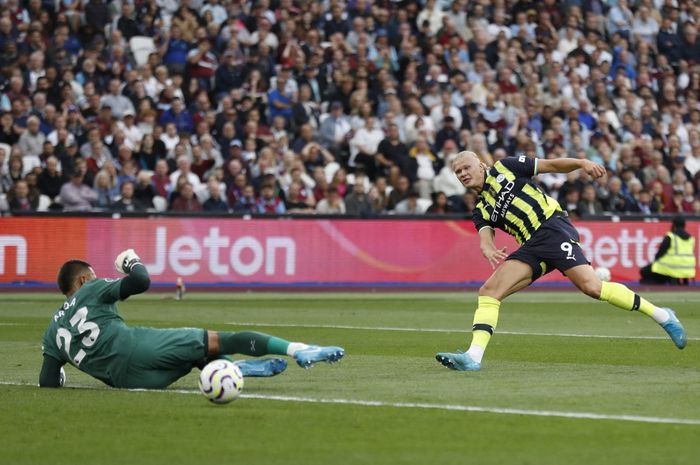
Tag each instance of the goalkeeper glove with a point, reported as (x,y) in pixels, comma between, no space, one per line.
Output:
(126,260)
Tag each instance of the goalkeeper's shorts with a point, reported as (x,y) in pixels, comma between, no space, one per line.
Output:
(162,356)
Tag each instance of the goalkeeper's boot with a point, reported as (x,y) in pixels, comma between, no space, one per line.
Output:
(261,367)
(674,328)
(313,354)
(460,361)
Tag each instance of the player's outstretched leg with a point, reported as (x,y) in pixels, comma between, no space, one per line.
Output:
(621,296)
(259,344)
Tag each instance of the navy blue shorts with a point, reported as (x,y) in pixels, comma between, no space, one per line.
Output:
(554,246)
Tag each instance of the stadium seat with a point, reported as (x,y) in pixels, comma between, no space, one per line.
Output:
(141,47)
(423,204)
(330,170)
(8,151)
(44,202)
(29,162)
(159,203)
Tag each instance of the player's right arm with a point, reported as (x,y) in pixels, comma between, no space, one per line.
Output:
(486,237)
(50,375)
(488,247)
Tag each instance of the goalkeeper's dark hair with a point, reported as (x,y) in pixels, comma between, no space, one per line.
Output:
(69,272)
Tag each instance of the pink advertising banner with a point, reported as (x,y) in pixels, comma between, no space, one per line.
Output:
(296,251)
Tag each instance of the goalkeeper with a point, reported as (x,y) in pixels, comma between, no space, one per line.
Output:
(88,333)
(509,200)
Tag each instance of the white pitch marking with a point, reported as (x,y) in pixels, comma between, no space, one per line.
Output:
(442,330)
(428,406)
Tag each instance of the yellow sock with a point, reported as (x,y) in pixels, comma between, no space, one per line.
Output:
(622,297)
(485,320)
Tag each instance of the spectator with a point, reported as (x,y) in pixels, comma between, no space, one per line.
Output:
(50,179)
(589,205)
(363,148)
(184,168)
(178,115)
(21,198)
(115,101)
(127,202)
(144,191)
(335,131)
(332,203)
(440,205)
(247,202)
(280,101)
(76,196)
(215,202)
(105,186)
(31,142)
(391,151)
(357,202)
(174,50)
(186,201)
(202,64)
(427,166)
(399,192)
(269,202)
(295,202)
(409,205)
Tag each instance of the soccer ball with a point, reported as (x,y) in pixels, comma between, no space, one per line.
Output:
(221,381)
(603,273)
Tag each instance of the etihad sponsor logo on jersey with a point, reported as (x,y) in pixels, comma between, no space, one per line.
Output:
(503,199)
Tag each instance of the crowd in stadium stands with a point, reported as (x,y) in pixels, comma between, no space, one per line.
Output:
(333,107)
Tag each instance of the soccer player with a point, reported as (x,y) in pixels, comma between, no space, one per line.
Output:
(88,333)
(509,200)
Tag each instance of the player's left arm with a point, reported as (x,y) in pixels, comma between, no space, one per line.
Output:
(567,165)
(137,279)
(50,375)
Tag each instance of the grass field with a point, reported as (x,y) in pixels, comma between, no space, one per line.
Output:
(566,380)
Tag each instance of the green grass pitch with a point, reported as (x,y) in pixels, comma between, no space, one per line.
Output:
(549,393)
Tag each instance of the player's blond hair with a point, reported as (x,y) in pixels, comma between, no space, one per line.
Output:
(468,154)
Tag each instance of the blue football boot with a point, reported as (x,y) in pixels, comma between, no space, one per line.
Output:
(460,361)
(674,328)
(261,367)
(313,354)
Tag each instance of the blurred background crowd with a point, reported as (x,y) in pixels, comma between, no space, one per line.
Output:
(333,107)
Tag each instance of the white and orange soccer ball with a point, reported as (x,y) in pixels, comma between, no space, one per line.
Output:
(221,381)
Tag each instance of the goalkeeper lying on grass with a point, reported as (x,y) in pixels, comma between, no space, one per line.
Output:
(88,333)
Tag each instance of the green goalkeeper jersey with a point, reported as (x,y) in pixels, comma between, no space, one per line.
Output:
(88,332)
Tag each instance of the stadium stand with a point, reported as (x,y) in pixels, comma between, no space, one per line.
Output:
(268,92)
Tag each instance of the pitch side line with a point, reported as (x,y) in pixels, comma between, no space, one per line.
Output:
(441,330)
(425,406)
